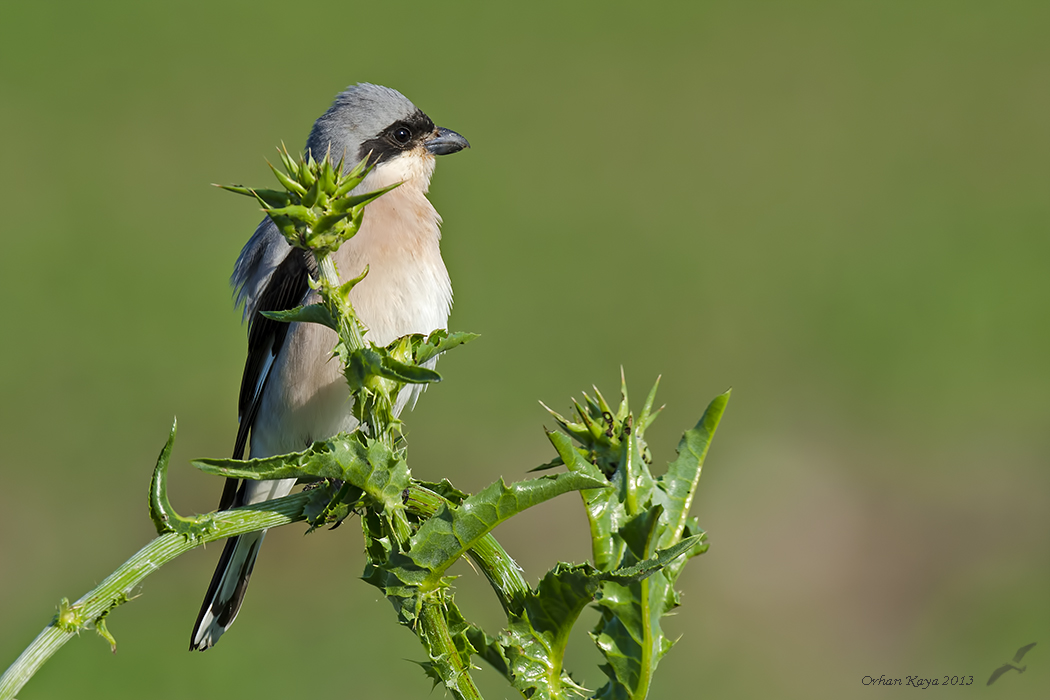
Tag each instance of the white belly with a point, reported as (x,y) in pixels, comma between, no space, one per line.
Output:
(407,290)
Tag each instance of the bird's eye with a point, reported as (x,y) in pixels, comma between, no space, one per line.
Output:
(402,135)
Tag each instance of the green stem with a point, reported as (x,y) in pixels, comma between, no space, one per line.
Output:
(112,592)
(402,530)
(350,328)
(631,469)
(443,653)
(645,677)
(433,628)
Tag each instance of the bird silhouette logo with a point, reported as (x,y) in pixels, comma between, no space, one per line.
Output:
(1013,665)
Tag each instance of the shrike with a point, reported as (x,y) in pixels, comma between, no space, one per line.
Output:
(292,393)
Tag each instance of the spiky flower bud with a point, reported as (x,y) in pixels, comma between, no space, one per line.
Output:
(316,212)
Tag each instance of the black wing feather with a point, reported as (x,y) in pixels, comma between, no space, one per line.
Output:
(286,289)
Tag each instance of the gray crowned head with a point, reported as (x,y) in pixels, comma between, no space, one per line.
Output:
(368,118)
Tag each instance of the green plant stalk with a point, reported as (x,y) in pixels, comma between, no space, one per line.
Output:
(93,607)
(454,672)
(349,327)
(434,632)
(642,689)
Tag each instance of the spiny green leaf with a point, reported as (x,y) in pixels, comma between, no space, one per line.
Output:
(361,365)
(680,482)
(534,642)
(646,417)
(596,431)
(410,374)
(601,404)
(326,181)
(578,431)
(445,489)
(345,204)
(651,565)
(617,637)
(237,189)
(103,631)
(307,171)
(314,313)
(489,649)
(328,222)
(267,198)
(274,199)
(535,639)
(315,462)
(286,226)
(629,634)
(441,341)
(353,178)
(312,194)
(160,510)
(605,513)
(638,532)
(384,476)
(296,212)
(692,533)
(554,463)
(164,517)
(288,183)
(442,539)
(624,409)
(290,165)
(330,504)
(351,457)
(637,479)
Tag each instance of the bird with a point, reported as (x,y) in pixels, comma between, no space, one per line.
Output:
(1006,667)
(292,392)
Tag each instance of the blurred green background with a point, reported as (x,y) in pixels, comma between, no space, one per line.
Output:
(838,209)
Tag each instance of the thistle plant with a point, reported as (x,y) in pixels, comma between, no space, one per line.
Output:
(640,528)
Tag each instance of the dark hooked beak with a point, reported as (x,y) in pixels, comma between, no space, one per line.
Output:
(447,141)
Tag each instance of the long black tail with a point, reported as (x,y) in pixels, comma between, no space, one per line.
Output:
(226,591)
